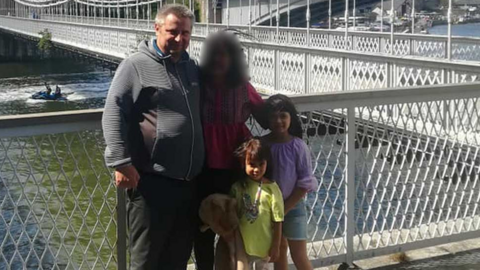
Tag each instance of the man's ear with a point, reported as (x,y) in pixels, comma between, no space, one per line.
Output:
(157,27)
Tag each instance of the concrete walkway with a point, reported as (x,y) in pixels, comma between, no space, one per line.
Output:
(467,260)
(464,255)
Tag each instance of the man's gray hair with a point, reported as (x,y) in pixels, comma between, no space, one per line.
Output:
(180,11)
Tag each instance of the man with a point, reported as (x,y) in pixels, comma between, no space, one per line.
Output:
(58,92)
(49,89)
(154,140)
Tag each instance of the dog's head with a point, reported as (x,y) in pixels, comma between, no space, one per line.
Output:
(219,213)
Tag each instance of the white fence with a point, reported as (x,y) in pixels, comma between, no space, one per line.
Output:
(273,67)
(425,46)
(398,169)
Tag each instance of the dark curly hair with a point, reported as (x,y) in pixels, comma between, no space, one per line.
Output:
(237,74)
(282,103)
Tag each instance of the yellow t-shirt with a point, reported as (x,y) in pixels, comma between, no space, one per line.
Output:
(257,235)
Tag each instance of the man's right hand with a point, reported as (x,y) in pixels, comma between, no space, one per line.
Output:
(126,177)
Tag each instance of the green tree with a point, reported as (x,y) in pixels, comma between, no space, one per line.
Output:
(45,43)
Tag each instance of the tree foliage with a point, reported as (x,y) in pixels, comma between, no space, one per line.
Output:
(45,43)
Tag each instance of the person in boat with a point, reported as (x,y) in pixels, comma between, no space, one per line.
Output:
(49,89)
(58,92)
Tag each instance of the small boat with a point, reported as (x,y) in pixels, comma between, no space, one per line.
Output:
(44,96)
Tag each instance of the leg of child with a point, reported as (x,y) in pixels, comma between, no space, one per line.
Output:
(282,261)
(257,263)
(298,251)
(241,255)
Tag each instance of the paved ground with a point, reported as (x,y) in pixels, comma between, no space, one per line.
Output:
(467,260)
(464,255)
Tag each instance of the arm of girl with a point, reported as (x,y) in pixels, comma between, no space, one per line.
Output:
(276,240)
(257,103)
(306,181)
(297,194)
(278,215)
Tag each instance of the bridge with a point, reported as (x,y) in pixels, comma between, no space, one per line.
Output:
(392,121)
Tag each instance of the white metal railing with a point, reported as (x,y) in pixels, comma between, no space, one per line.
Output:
(273,67)
(397,169)
(428,46)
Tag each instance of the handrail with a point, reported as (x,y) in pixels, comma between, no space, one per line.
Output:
(294,29)
(305,102)
(407,59)
(413,46)
(49,123)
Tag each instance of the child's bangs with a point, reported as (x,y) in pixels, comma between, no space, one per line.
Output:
(255,156)
(277,105)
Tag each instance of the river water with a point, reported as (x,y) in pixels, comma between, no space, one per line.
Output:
(52,187)
(86,86)
(464,30)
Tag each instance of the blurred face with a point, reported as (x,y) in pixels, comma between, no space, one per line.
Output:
(173,36)
(221,63)
(279,122)
(255,169)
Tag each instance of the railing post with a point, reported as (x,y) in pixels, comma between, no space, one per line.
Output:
(350,192)
(410,47)
(449,39)
(447,79)
(344,73)
(276,82)
(307,73)
(121,230)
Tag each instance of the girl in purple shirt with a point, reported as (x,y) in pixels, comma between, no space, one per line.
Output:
(292,170)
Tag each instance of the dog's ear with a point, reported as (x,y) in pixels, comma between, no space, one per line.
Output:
(218,201)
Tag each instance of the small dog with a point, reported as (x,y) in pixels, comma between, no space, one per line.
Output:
(219,213)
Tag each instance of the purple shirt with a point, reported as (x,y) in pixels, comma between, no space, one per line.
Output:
(292,166)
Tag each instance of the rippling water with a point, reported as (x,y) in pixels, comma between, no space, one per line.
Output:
(84,85)
(465,30)
(23,181)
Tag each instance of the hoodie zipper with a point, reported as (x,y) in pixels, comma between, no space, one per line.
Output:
(191,119)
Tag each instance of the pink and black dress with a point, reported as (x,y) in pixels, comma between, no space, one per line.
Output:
(224,113)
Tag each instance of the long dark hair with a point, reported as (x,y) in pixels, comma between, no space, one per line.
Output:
(238,71)
(257,150)
(282,103)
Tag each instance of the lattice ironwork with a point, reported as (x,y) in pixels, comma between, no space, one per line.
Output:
(292,72)
(469,51)
(366,44)
(431,48)
(326,74)
(411,76)
(366,74)
(262,68)
(58,203)
(417,172)
(270,65)
(324,132)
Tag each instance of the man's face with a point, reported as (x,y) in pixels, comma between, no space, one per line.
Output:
(173,36)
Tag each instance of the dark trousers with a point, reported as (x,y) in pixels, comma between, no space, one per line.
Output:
(161,217)
(209,182)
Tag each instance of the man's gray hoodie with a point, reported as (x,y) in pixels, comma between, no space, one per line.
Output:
(152,115)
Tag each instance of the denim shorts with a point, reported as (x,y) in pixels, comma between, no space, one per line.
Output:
(295,222)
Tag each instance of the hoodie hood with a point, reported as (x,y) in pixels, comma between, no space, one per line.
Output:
(146,47)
